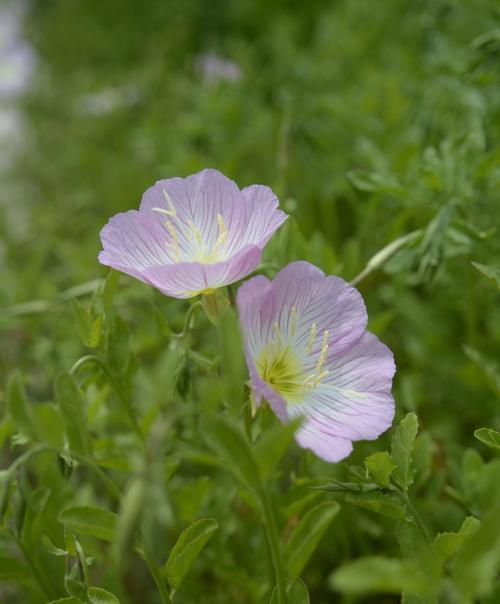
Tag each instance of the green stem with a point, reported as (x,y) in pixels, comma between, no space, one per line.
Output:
(274,546)
(91,358)
(155,573)
(187,321)
(414,512)
(40,579)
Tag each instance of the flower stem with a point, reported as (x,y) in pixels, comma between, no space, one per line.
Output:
(274,546)
(155,573)
(415,513)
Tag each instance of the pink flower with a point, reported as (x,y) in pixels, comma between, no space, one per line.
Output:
(192,235)
(309,355)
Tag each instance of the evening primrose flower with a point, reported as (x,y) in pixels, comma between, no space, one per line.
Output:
(309,355)
(192,235)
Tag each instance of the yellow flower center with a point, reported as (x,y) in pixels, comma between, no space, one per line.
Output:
(280,366)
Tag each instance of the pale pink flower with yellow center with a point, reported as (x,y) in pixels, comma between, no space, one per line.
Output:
(192,235)
(309,355)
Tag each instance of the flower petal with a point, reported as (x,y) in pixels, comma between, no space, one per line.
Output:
(328,447)
(354,401)
(188,279)
(263,217)
(329,303)
(197,201)
(132,243)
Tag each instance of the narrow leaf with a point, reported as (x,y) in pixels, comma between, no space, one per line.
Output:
(272,445)
(233,450)
(90,520)
(187,548)
(19,407)
(306,536)
(376,574)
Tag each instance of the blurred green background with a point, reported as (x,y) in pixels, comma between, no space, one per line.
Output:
(370,121)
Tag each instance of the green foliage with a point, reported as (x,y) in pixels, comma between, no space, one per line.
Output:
(187,548)
(123,419)
(306,535)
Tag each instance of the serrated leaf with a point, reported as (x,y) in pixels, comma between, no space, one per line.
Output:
(272,445)
(376,574)
(97,595)
(90,520)
(489,437)
(233,450)
(446,545)
(89,327)
(187,548)
(401,449)
(380,467)
(306,536)
(70,401)
(383,504)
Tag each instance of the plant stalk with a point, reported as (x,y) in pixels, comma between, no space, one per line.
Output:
(274,546)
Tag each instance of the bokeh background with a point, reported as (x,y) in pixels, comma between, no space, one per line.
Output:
(371,122)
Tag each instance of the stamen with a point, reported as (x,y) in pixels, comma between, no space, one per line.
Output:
(195,230)
(293,321)
(277,331)
(175,238)
(164,211)
(222,233)
(312,337)
(170,203)
(324,351)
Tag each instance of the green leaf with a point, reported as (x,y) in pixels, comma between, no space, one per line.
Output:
(381,503)
(401,449)
(109,290)
(272,445)
(297,594)
(492,272)
(89,327)
(306,536)
(19,408)
(376,574)
(234,372)
(380,467)
(90,520)
(13,570)
(477,562)
(70,401)
(215,304)
(489,437)
(233,450)
(51,548)
(97,595)
(187,548)
(70,600)
(446,545)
